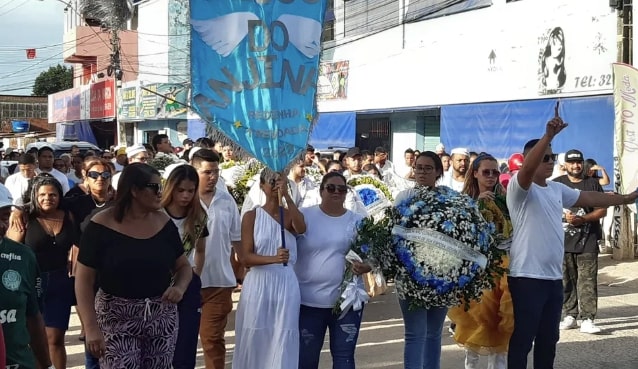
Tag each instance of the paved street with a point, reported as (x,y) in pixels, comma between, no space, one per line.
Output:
(381,340)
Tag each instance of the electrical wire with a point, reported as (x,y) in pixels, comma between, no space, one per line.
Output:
(14,8)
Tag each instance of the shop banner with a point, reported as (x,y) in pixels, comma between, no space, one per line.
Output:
(626,124)
(64,106)
(127,104)
(254,67)
(333,80)
(163,101)
(103,100)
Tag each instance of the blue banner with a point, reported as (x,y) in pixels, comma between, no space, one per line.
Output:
(503,128)
(254,72)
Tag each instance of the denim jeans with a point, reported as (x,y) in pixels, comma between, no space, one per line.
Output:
(537,311)
(423,331)
(90,361)
(344,333)
(189,311)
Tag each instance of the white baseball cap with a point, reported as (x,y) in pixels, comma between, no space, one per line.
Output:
(134,150)
(5,197)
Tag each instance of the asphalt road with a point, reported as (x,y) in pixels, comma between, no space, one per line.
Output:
(380,343)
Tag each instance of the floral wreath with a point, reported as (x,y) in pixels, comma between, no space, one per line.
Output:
(374,194)
(437,243)
(314,174)
(243,180)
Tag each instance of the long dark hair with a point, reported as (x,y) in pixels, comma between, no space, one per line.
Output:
(556,33)
(135,175)
(42,179)
(471,186)
(195,211)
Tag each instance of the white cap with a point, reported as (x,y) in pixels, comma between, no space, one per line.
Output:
(460,151)
(561,158)
(134,150)
(193,151)
(170,168)
(439,148)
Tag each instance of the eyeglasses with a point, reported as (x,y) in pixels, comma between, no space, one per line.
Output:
(95,175)
(142,159)
(490,172)
(548,157)
(332,188)
(427,169)
(155,187)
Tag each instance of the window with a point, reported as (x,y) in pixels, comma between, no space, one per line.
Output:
(328,33)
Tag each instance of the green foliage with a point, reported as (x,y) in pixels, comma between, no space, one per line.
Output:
(56,79)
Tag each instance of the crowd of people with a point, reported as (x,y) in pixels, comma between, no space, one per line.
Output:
(150,259)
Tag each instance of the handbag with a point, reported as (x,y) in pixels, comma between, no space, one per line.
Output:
(375,283)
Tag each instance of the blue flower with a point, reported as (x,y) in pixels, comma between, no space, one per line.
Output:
(368,196)
(447,226)
(474,268)
(365,249)
(463,280)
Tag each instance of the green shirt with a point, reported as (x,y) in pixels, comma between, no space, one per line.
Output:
(19,296)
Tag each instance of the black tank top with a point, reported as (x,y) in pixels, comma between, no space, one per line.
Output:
(51,252)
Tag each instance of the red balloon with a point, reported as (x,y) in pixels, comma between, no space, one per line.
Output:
(515,162)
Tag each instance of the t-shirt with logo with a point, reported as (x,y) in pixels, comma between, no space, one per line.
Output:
(19,296)
(584,238)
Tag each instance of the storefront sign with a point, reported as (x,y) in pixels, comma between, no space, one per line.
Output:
(127,106)
(164,101)
(64,106)
(103,99)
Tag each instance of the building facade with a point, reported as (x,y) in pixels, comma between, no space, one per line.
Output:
(484,74)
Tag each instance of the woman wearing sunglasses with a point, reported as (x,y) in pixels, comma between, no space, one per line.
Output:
(320,265)
(50,232)
(267,320)
(136,253)
(487,326)
(180,201)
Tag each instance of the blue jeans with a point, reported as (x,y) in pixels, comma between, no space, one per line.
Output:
(90,361)
(344,333)
(189,311)
(423,330)
(537,310)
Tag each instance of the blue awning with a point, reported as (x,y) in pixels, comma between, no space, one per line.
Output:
(503,128)
(334,130)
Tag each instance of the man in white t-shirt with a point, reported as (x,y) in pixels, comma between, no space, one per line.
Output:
(536,256)
(134,154)
(218,278)
(455,178)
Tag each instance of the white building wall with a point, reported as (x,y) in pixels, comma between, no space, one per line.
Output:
(153,41)
(446,60)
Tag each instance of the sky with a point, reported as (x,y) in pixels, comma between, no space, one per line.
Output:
(28,24)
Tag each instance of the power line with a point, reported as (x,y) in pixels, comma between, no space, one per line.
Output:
(15,7)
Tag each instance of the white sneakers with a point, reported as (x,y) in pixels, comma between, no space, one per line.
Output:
(568,322)
(587,325)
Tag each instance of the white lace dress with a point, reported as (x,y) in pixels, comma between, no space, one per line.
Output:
(267,319)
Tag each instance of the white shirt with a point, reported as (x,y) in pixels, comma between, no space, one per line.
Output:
(224,227)
(307,194)
(321,255)
(387,167)
(449,181)
(538,242)
(115,179)
(256,197)
(17,184)
(61,177)
(71,175)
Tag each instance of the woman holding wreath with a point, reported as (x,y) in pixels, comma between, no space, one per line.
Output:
(487,326)
(440,252)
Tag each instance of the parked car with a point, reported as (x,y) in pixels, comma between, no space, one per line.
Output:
(63,147)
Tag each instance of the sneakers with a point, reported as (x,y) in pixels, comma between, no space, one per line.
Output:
(588,326)
(568,322)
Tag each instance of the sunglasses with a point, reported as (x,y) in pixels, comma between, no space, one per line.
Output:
(95,175)
(490,172)
(332,188)
(548,157)
(155,187)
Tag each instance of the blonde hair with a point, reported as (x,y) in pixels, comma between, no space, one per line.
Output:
(195,214)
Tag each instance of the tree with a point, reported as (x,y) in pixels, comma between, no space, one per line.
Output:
(55,79)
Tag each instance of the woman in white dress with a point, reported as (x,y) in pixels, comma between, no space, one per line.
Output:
(267,320)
